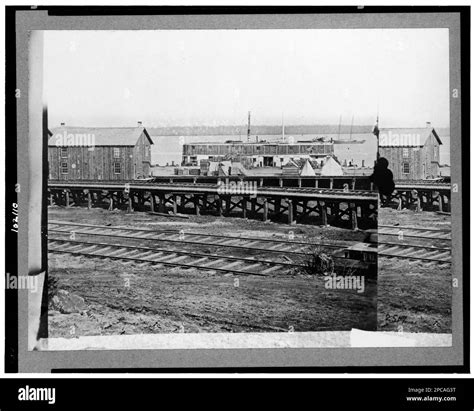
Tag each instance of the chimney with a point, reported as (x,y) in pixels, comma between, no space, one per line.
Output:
(140,124)
(428,124)
(63,124)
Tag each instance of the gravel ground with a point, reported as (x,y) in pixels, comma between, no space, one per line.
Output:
(414,296)
(126,299)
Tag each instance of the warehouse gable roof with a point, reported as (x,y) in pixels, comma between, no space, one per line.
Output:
(406,137)
(101,136)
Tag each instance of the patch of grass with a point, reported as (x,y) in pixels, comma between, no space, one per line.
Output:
(318,262)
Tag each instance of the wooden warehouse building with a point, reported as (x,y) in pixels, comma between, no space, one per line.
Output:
(99,153)
(412,153)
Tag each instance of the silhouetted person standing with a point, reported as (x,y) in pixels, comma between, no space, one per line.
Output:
(382,177)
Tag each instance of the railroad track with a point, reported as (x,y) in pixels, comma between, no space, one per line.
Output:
(416,253)
(288,247)
(401,245)
(415,232)
(295,249)
(146,256)
(72,243)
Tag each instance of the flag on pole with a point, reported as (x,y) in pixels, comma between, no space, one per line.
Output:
(376,130)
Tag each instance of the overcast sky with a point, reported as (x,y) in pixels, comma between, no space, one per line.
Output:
(184,77)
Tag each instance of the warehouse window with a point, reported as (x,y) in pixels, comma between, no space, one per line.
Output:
(405,152)
(116,153)
(64,168)
(406,168)
(117,168)
(63,152)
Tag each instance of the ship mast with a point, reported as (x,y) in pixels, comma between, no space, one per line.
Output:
(248,130)
(283,126)
(350,132)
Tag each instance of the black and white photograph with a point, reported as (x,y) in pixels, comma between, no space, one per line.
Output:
(228,181)
(227,190)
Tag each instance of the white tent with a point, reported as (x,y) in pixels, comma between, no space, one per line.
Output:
(213,167)
(290,164)
(307,169)
(331,168)
(237,169)
(224,168)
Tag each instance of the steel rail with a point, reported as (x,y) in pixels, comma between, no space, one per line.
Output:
(197,234)
(444,230)
(177,252)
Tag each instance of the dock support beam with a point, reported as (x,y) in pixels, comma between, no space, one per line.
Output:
(175,204)
(219,206)
(196,205)
(353,216)
(290,211)
(265,209)
(152,202)
(324,215)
